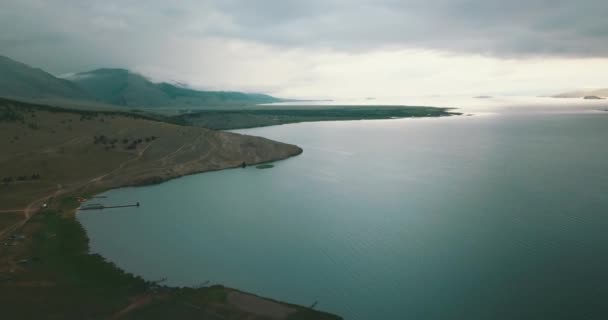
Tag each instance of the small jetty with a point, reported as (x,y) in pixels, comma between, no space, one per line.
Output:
(314,304)
(97,206)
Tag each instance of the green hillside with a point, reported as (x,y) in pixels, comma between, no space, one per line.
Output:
(114,87)
(125,88)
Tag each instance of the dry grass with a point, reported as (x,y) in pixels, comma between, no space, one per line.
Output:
(60,147)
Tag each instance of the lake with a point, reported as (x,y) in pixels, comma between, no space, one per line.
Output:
(500,215)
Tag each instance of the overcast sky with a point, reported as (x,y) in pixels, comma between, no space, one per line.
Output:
(322,48)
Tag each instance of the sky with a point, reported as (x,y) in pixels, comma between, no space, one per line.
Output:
(322,48)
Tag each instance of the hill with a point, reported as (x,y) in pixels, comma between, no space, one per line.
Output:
(19,80)
(125,88)
(106,87)
(62,145)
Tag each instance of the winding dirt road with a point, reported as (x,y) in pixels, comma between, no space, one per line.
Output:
(30,210)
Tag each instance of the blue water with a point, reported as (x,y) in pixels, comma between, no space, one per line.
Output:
(494,216)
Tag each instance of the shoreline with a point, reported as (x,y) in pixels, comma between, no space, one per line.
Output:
(246,301)
(154,181)
(46,254)
(74,212)
(179,151)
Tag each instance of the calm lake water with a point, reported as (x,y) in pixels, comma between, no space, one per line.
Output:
(502,215)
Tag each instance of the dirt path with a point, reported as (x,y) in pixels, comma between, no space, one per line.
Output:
(29,211)
(138,302)
(259,306)
(166,158)
(122,165)
(35,205)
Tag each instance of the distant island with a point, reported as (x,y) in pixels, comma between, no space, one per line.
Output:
(483,97)
(592,98)
(586,94)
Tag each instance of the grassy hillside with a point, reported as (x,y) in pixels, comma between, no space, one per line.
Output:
(53,156)
(71,147)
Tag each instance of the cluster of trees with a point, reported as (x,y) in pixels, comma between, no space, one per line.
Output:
(35,176)
(110,143)
(104,140)
(135,142)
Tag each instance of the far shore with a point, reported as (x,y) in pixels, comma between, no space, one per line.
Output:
(278,115)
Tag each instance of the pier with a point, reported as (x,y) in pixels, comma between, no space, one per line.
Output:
(314,304)
(97,206)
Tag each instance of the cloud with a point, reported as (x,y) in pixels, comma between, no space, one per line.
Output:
(493,27)
(306,48)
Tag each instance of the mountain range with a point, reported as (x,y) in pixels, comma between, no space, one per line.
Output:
(117,87)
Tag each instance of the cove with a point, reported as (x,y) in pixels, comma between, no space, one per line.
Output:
(497,216)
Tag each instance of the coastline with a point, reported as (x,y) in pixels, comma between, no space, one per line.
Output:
(64,212)
(292,309)
(45,256)
(84,169)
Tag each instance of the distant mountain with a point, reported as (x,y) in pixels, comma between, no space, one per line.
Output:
(125,88)
(118,87)
(583,93)
(18,80)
